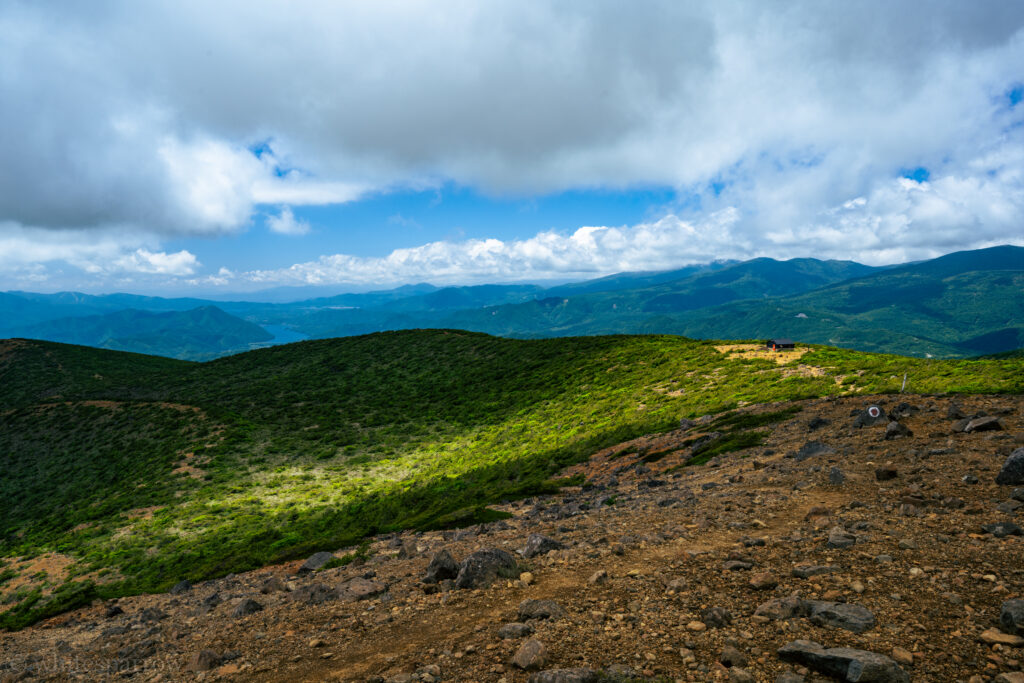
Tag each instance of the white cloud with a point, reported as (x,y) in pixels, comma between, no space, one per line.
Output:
(899,220)
(162,263)
(285,223)
(55,257)
(136,135)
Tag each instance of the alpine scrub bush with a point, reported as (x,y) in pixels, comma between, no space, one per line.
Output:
(150,470)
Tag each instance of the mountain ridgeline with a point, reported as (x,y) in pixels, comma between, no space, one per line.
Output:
(959,305)
(130,472)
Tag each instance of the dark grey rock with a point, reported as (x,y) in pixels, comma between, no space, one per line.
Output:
(807,571)
(845,663)
(540,609)
(737,565)
(619,673)
(246,607)
(538,544)
(886,473)
(732,657)
(272,584)
(903,410)
(897,430)
(1002,529)
(961,425)
(816,423)
(789,677)
(1011,616)
(114,631)
(716,617)
(865,419)
(840,615)
(738,674)
(988,423)
(483,566)
(836,476)
(1018,494)
(1012,472)
(181,587)
(839,537)
(442,566)
(577,675)
(781,608)
(152,614)
(1009,506)
(812,449)
(514,630)
(313,594)
(315,562)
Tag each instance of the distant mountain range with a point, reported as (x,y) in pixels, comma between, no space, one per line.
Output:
(962,304)
(197,334)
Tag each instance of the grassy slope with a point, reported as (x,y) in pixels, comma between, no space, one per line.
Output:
(313,445)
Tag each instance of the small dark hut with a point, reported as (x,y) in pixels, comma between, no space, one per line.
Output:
(780,344)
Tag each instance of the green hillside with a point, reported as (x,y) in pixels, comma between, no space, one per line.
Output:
(140,471)
(201,333)
(654,308)
(962,304)
(915,310)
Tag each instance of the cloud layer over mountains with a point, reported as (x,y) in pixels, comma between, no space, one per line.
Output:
(786,129)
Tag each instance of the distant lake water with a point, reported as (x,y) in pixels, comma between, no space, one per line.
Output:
(282,335)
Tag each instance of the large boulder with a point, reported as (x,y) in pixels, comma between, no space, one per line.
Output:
(442,566)
(484,566)
(845,663)
(1012,473)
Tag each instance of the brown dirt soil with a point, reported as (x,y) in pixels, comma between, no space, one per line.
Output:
(921,564)
(759,351)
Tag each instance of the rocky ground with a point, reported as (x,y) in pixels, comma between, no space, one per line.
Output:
(845,547)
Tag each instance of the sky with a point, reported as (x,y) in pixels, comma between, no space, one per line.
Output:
(214,147)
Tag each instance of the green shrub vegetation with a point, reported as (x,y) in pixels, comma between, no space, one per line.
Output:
(142,471)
